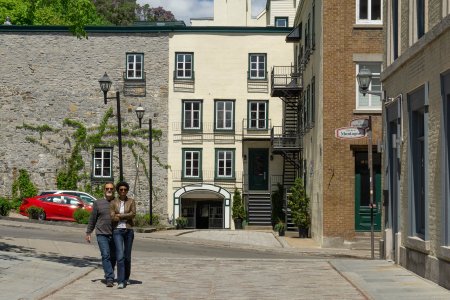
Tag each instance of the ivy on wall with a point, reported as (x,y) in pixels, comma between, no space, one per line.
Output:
(75,173)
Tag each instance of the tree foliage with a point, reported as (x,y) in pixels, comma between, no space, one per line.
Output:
(298,202)
(73,13)
(117,12)
(153,14)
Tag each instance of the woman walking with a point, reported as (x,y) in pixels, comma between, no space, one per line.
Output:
(123,211)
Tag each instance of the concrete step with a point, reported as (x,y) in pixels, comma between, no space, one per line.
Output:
(259,227)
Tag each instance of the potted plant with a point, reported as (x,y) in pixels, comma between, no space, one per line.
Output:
(238,209)
(298,203)
(280,227)
(181,222)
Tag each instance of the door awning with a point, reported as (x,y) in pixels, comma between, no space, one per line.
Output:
(294,36)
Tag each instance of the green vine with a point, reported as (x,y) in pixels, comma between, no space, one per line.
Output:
(40,128)
(85,140)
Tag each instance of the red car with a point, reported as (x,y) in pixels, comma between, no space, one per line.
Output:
(56,206)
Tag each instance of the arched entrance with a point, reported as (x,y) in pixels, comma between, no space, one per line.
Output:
(204,205)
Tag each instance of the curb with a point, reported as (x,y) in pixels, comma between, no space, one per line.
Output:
(62,283)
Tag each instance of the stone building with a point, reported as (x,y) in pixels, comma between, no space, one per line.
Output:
(416,83)
(332,41)
(48,75)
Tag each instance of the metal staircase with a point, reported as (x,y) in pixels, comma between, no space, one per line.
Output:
(259,208)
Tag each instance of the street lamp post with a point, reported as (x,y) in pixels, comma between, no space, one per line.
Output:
(105,84)
(140,114)
(364,78)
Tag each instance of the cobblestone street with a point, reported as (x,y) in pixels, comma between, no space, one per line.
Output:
(219,279)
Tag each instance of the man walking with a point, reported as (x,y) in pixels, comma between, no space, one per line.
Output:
(100,219)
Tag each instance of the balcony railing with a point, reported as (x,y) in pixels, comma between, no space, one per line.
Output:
(282,139)
(256,128)
(285,81)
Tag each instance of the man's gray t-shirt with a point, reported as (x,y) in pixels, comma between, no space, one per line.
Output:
(100,218)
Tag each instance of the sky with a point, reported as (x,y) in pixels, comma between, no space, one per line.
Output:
(186,9)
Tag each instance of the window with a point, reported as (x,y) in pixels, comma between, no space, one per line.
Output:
(224,115)
(192,114)
(445,8)
(257,66)
(281,21)
(417,165)
(225,163)
(368,12)
(192,163)
(395,25)
(369,101)
(445,83)
(313,32)
(184,66)
(420,5)
(135,65)
(102,166)
(313,102)
(257,115)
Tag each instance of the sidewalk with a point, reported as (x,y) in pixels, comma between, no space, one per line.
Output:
(34,269)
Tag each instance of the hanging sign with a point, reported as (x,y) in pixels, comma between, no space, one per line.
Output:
(360,123)
(349,133)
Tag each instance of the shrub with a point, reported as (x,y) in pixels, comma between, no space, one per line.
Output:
(81,216)
(15,204)
(181,222)
(277,204)
(5,206)
(299,204)
(143,220)
(238,209)
(23,187)
(35,212)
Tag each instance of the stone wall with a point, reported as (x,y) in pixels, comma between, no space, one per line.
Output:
(49,76)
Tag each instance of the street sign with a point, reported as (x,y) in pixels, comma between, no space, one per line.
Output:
(360,123)
(349,133)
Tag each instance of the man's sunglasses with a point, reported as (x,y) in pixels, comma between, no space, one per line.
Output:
(123,190)
(109,189)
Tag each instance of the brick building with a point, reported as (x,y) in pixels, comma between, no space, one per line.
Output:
(332,41)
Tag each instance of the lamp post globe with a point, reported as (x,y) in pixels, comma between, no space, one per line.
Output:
(105,85)
(364,78)
(140,111)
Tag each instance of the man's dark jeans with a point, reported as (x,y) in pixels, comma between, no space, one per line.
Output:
(108,252)
(123,239)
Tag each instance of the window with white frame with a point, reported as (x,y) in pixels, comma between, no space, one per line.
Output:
(102,163)
(192,114)
(281,21)
(184,65)
(257,115)
(225,163)
(257,66)
(369,101)
(417,166)
(224,114)
(192,163)
(135,65)
(445,8)
(368,11)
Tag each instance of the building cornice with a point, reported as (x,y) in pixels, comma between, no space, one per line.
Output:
(146,29)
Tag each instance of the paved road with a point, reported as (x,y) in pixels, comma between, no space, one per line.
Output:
(35,268)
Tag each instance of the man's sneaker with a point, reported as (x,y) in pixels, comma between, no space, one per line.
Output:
(121,285)
(109,284)
(128,282)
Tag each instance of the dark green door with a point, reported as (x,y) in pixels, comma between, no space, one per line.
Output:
(258,168)
(362,192)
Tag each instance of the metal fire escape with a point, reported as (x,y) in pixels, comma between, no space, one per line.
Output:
(286,140)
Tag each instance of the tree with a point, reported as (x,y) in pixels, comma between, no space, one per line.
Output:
(73,13)
(117,12)
(151,14)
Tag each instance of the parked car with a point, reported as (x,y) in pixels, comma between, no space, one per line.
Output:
(89,199)
(56,206)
